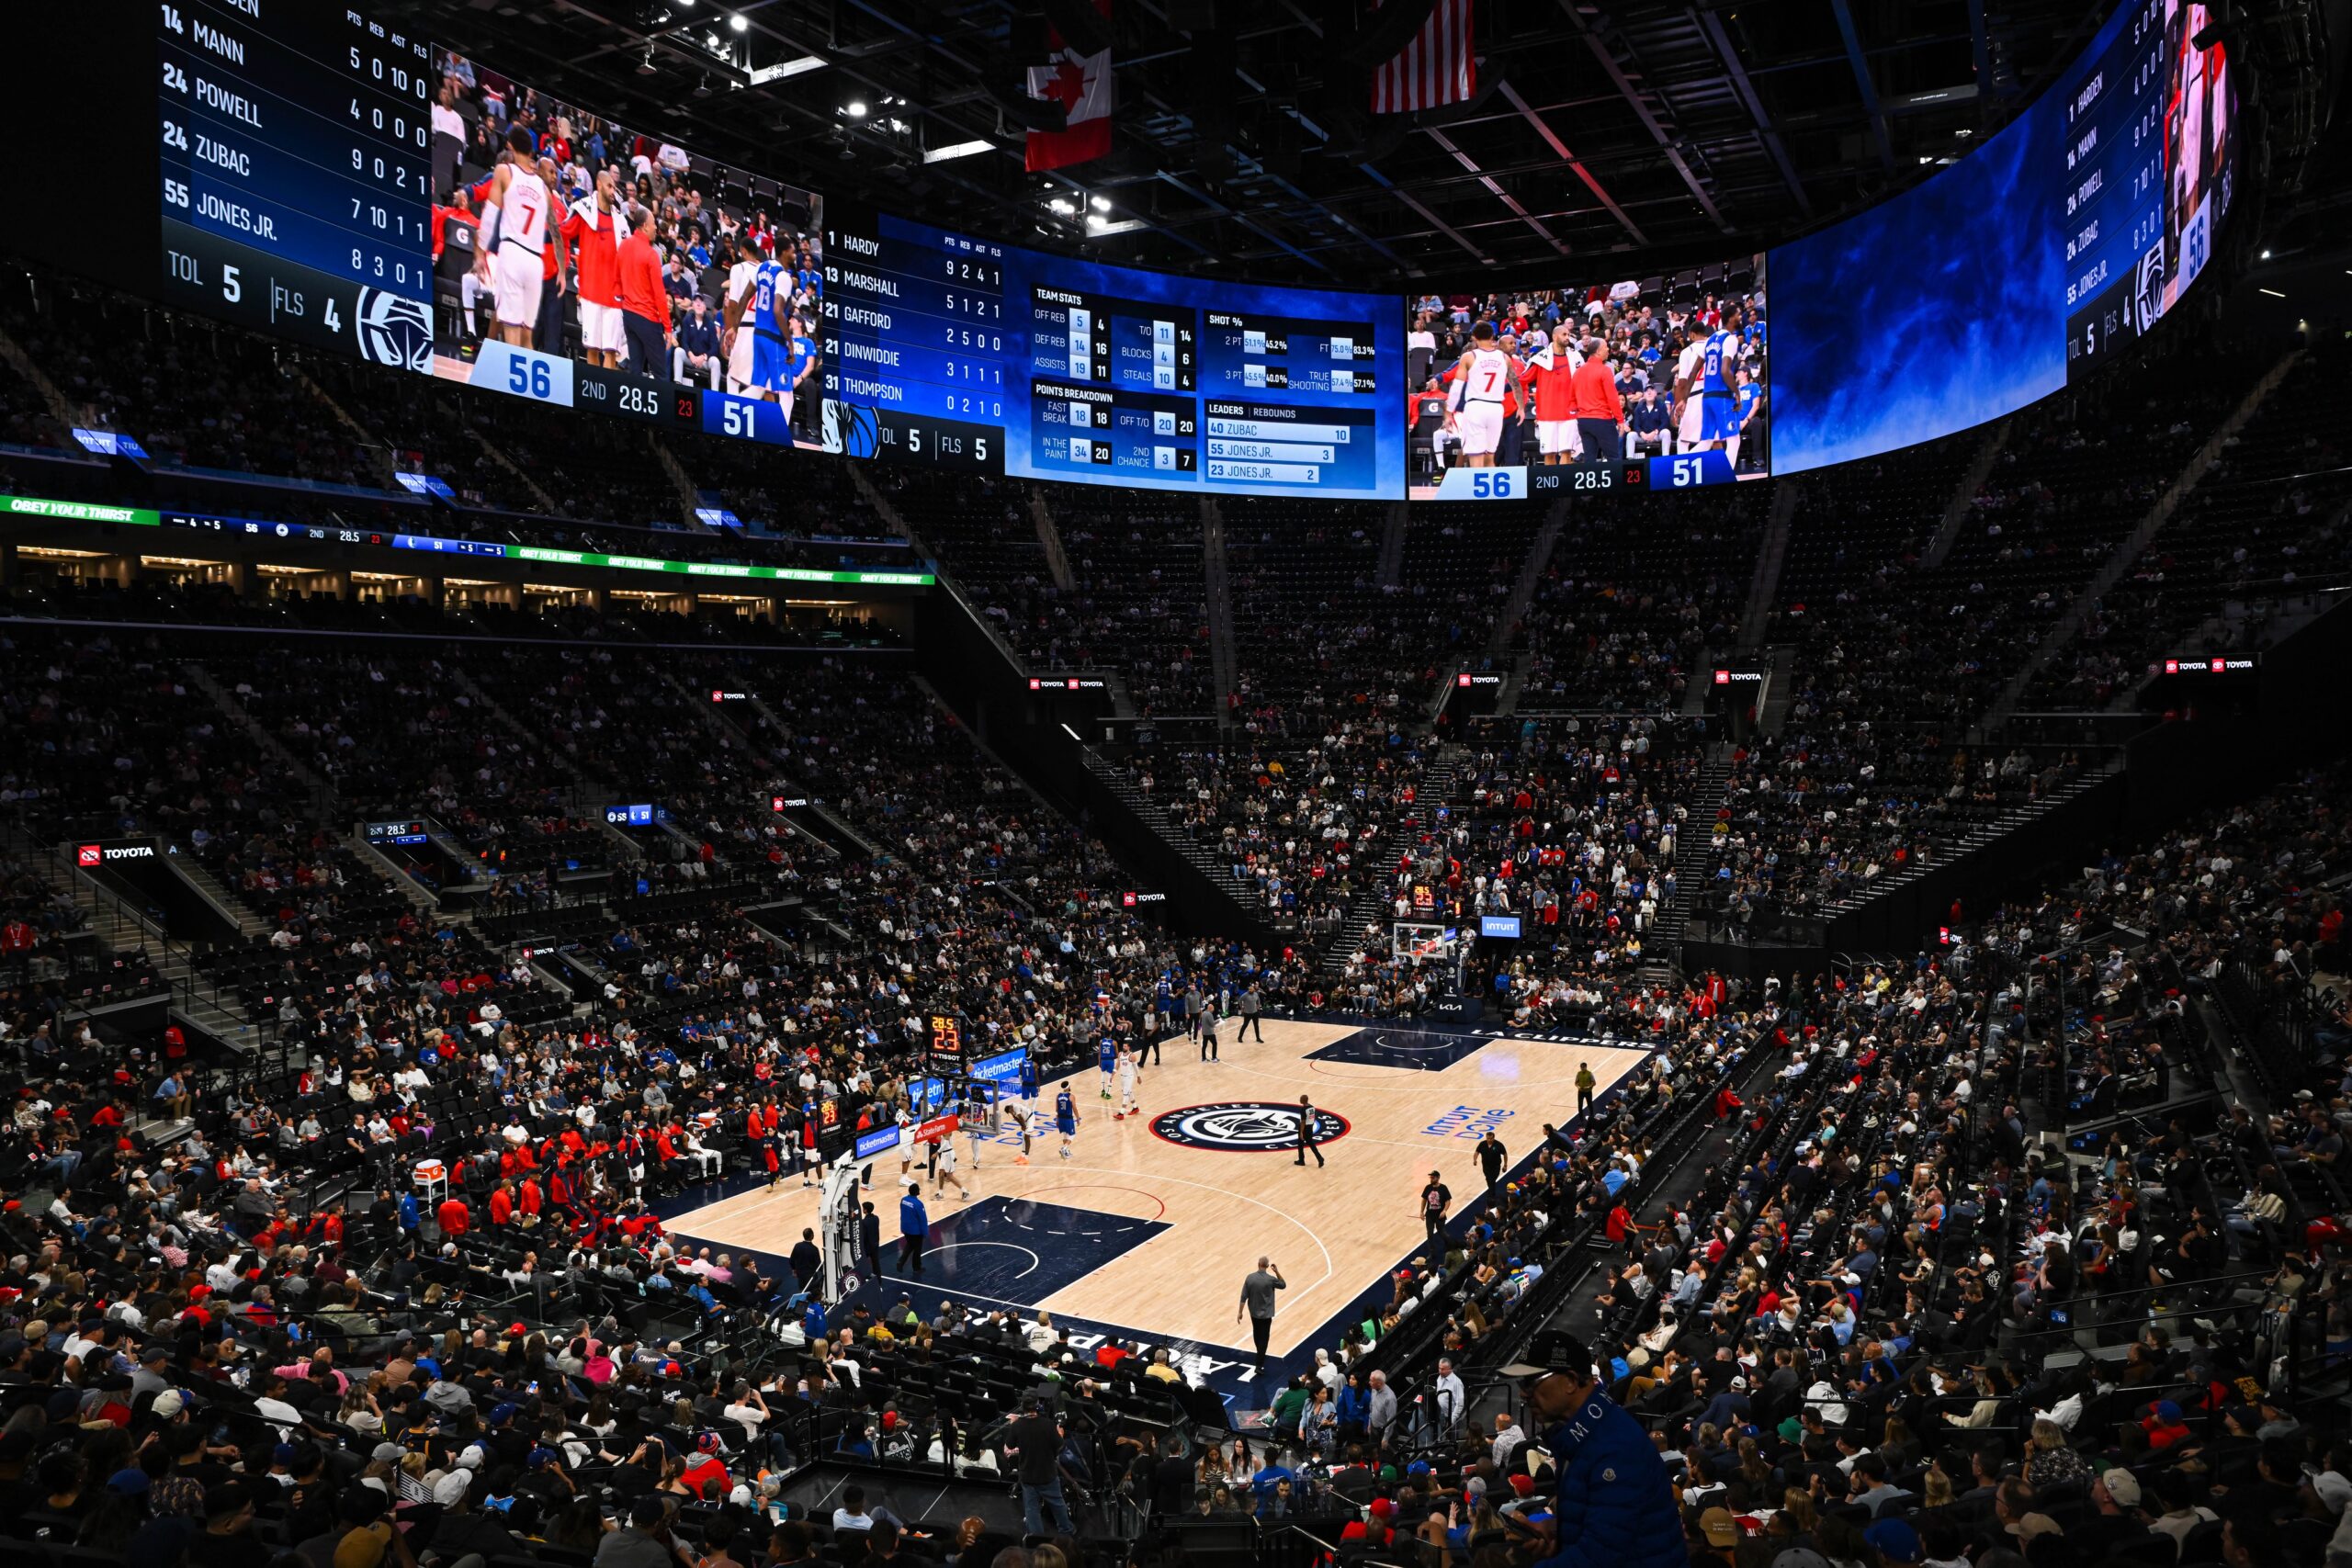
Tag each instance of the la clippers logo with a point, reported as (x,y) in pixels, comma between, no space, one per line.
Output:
(1243,1126)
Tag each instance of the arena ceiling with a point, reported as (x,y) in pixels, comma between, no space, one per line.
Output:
(1610,139)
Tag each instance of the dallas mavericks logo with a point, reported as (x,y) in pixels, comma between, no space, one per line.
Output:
(1243,1126)
(394,330)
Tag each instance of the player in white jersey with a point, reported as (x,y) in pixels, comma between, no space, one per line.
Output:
(1126,1084)
(740,278)
(1688,373)
(517,210)
(1482,381)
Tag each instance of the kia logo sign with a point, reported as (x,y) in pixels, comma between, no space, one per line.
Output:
(88,855)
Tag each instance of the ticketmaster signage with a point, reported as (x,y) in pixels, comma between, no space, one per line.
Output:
(717,569)
(78,510)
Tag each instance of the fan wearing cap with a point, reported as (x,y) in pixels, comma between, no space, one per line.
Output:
(2115,1521)
(1614,1506)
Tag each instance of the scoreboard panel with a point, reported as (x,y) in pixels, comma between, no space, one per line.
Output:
(942,347)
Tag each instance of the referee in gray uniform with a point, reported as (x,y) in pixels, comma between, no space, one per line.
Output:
(1257,1300)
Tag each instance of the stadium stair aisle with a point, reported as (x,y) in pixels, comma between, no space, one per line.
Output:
(1764,588)
(1662,952)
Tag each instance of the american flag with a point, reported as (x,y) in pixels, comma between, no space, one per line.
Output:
(1436,67)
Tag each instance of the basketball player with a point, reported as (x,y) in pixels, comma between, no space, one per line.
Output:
(517,212)
(942,1169)
(772,334)
(1066,1118)
(1032,1122)
(1484,380)
(593,230)
(906,1142)
(742,274)
(1106,1058)
(1718,396)
(1688,367)
(1555,404)
(1126,1084)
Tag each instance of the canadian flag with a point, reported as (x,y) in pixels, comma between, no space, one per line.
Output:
(1081,84)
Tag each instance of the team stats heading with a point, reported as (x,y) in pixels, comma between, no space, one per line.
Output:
(941,347)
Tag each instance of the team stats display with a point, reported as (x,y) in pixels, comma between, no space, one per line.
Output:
(292,140)
(2150,123)
(951,349)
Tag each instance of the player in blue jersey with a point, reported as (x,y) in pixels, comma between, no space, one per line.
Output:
(1718,389)
(1106,1056)
(1066,1118)
(772,331)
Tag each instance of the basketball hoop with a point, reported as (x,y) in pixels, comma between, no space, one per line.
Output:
(1418,943)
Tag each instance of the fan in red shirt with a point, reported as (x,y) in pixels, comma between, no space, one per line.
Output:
(453,1216)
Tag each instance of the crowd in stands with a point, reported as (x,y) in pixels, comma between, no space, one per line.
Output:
(1898,654)
(2266,522)
(1304,827)
(233,1319)
(1632,598)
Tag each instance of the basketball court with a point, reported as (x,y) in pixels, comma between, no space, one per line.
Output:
(1150,1227)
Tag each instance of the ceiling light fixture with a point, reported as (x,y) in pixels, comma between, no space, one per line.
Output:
(738,22)
(956,150)
(766,74)
(854,108)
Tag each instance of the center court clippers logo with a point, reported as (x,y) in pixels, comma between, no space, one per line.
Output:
(1243,1126)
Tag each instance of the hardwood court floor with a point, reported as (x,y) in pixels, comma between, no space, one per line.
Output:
(1152,1222)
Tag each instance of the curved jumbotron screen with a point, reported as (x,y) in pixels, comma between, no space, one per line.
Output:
(2064,238)
(323,178)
